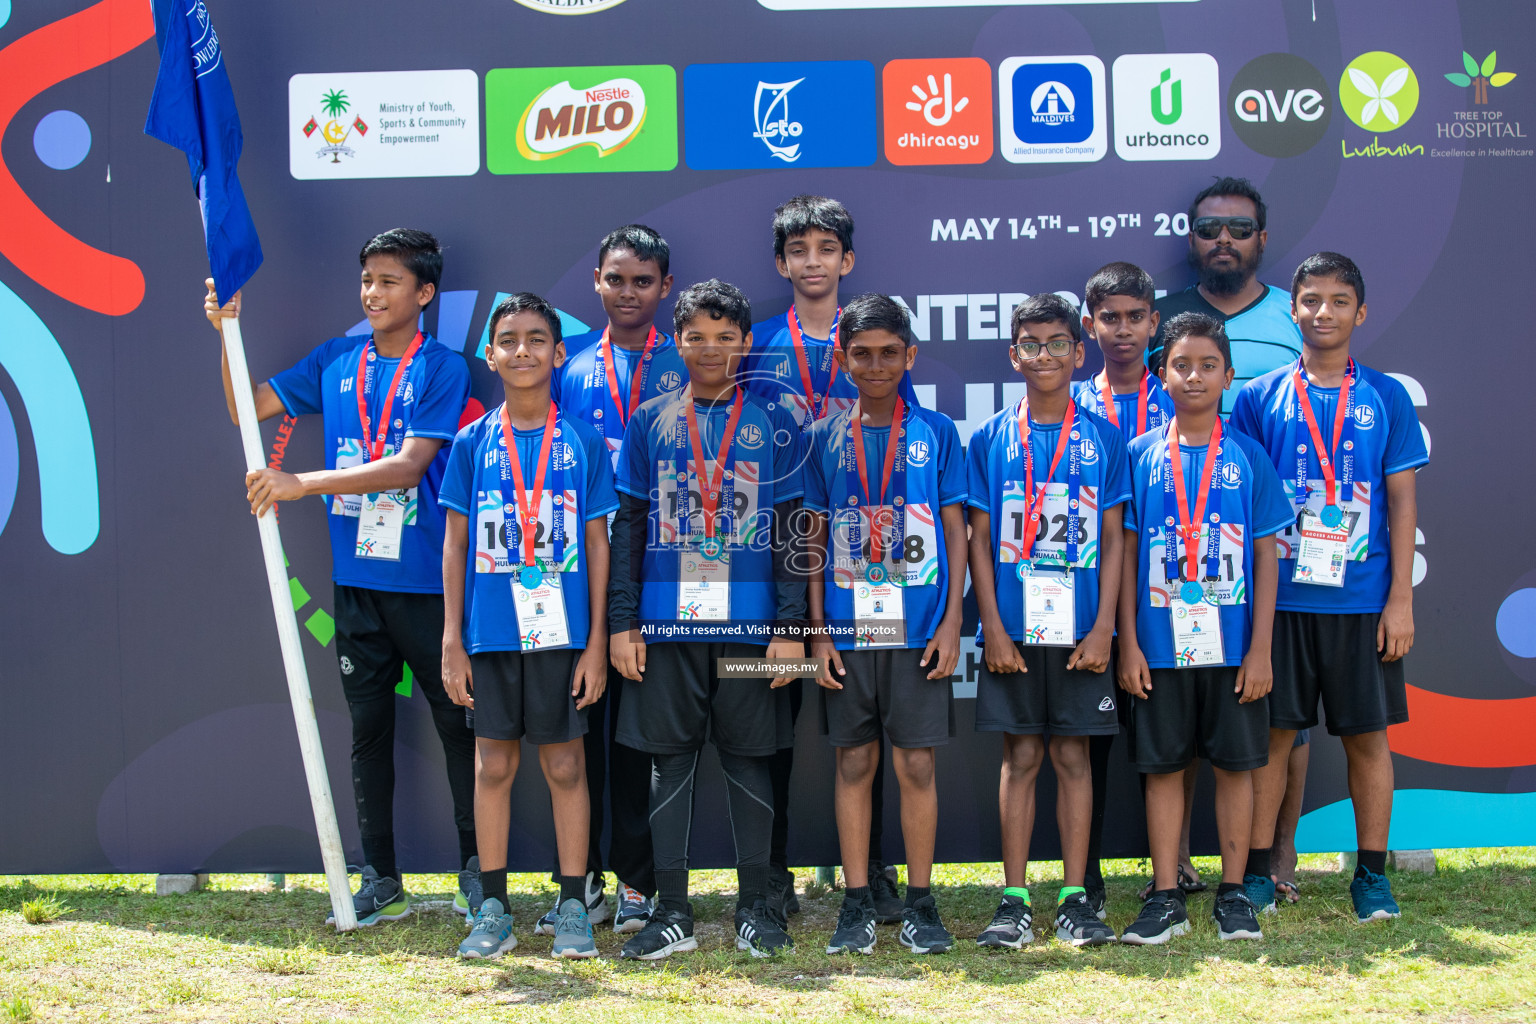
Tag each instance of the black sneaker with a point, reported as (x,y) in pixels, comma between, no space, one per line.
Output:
(1077,924)
(882,889)
(668,931)
(1162,917)
(470,895)
(855,927)
(921,929)
(760,931)
(1010,925)
(1098,899)
(781,893)
(1234,916)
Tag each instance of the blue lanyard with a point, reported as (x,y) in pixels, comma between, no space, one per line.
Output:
(1171,514)
(511,529)
(855,485)
(1345,466)
(724,518)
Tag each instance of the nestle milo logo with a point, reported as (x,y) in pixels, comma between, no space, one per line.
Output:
(606,117)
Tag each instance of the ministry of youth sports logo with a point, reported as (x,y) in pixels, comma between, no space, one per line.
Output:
(770,110)
(334,106)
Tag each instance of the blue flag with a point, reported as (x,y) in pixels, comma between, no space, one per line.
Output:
(193,109)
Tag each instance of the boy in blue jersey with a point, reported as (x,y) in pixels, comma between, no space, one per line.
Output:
(391,402)
(607,375)
(705,567)
(1118,315)
(1197,604)
(886,607)
(1346,442)
(525,637)
(1045,481)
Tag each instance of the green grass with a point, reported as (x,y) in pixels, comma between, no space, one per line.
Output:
(1463,952)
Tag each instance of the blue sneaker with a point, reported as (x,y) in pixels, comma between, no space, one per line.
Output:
(1372,894)
(1260,890)
(470,895)
(573,932)
(491,935)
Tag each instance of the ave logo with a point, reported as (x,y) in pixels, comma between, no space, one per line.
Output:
(1279,105)
(938,111)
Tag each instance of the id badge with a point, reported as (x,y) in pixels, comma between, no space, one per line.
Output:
(1322,553)
(539,598)
(1050,608)
(380,523)
(1196,631)
(703,588)
(879,615)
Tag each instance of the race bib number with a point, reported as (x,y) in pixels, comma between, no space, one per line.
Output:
(915,564)
(541,621)
(350,453)
(1051,540)
(1231,584)
(494,529)
(748,524)
(1357,516)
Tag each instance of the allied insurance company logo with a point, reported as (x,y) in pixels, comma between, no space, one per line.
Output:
(581,119)
(1053,109)
(1278,105)
(937,111)
(335,131)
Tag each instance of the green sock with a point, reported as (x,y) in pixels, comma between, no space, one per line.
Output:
(1068,891)
(1018,890)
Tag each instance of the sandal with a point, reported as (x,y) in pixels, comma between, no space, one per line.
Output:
(1290,890)
(1189,883)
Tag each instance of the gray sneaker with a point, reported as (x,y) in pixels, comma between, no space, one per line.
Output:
(573,932)
(377,899)
(491,935)
(597,908)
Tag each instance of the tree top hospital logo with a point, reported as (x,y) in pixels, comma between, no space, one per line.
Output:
(938,111)
(1480,76)
(797,114)
(581,119)
(1278,105)
(1052,109)
(1167,106)
(1379,91)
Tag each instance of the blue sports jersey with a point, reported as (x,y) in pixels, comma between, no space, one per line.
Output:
(1088,395)
(1252,505)
(1263,335)
(994,484)
(472,487)
(582,395)
(767,451)
(772,370)
(429,403)
(935,478)
(1387,440)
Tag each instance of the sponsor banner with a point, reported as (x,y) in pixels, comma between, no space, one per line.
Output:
(1053,109)
(798,114)
(581,119)
(1167,106)
(1279,105)
(570,6)
(938,111)
(383,124)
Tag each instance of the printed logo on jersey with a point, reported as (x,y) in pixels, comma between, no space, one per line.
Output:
(797,114)
(1167,106)
(750,436)
(938,111)
(346,665)
(567,120)
(917,453)
(1278,105)
(1231,474)
(1053,109)
(1379,91)
(409,395)
(669,381)
(564,456)
(1364,416)
(1090,451)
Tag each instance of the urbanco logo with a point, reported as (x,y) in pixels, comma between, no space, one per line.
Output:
(1278,105)
(1379,91)
(1167,106)
(1053,109)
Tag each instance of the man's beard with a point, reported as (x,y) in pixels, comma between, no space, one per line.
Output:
(1225,282)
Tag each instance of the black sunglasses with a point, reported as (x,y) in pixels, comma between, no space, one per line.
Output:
(1209,228)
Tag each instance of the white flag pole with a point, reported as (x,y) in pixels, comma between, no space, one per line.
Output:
(288,638)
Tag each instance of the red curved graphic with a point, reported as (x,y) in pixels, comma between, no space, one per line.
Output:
(1466,732)
(41,249)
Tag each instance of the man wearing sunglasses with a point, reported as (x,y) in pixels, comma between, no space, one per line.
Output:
(1226,246)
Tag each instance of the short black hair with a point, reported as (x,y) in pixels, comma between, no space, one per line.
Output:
(873,312)
(1240,187)
(1043,309)
(804,212)
(1329,264)
(1118,278)
(716,299)
(527,302)
(646,243)
(1196,325)
(420,251)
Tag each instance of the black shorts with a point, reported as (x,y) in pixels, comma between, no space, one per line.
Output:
(527,693)
(1334,657)
(1194,712)
(681,701)
(888,688)
(1048,698)
(378,632)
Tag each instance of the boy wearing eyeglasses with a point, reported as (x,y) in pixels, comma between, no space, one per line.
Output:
(1226,247)
(1045,482)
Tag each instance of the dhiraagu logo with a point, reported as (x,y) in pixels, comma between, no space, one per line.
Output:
(1379,91)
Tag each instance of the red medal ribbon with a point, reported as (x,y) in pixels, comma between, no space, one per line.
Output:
(876,534)
(1102,382)
(709,487)
(1189,529)
(797,337)
(528,504)
(374,447)
(1033,503)
(635,379)
(1326,457)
